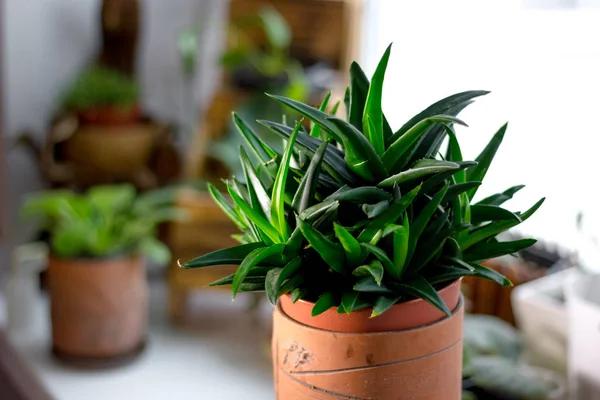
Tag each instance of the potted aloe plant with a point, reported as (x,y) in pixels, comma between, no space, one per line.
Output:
(96,276)
(362,246)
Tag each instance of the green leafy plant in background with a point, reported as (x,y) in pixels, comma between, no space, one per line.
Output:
(106,221)
(271,60)
(354,214)
(100,87)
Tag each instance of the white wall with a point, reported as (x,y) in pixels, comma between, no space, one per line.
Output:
(542,67)
(47,42)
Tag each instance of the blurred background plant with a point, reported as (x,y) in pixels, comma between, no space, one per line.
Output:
(106,221)
(98,87)
(492,368)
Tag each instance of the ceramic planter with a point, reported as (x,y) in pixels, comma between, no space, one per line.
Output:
(98,308)
(413,351)
(110,115)
(118,150)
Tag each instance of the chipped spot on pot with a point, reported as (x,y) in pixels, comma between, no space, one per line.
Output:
(350,352)
(369,359)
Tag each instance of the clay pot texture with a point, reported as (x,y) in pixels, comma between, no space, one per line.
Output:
(119,150)
(110,115)
(413,351)
(98,306)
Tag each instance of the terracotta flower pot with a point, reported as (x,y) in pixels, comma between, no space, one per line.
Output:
(98,308)
(411,352)
(110,115)
(119,150)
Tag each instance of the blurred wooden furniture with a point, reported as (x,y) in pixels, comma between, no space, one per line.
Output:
(206,229)
(322,30)
(326,31)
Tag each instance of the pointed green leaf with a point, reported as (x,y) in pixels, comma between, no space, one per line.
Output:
(478,172)
(246,287)
(375,228)
(372,119)
(494,228)
(350,244)
(347,102)
(485,251)
(360,155)
(421,169)
(278,203)
(262,152)
(459,188)
(500,198)
(364,194)
(325,302)
(382,304)
(429,147)
(315,131)
(230,256)
(291,284)
(374,210)
(349,299)
(447,273)
(373,133)
(454,153)
(226,206)
(453,248)
(262,224)
(297,294)
(490,274)
(359,88)
(254,258)
(422,289)
(429,249)
(381,255)
(419,224)
(369,284)
(402,144)
(271,286)
(401,247)
(315,211)
(259,199)
(483,213)
(440,107)
(306,191)
(333,159)
(436,180)
(374,269)
(256,275)
(335,108)
(331,253)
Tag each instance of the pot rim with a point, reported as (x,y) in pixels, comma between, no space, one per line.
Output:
(445,288)
(457,309)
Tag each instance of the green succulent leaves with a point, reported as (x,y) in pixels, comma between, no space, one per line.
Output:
(354,215)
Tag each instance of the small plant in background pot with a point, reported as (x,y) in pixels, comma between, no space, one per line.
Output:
(103,96)
(96,275)
(361,246)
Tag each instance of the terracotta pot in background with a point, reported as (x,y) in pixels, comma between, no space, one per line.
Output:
(110,115)
(411,352)
(98,307)
(116,150)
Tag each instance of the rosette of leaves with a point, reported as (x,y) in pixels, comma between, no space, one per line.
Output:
(353,214)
